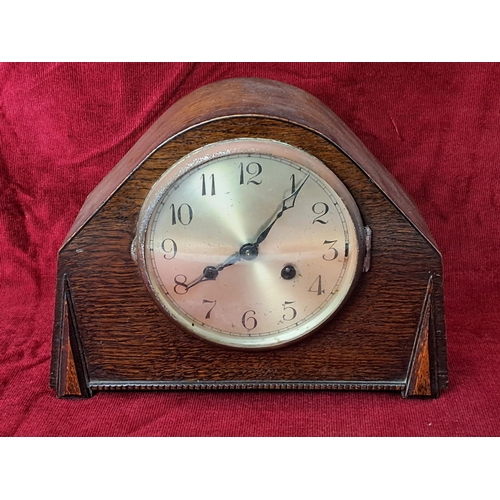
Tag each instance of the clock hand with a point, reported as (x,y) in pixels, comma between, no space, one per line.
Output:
(211,272)
(250,250)
(288,202)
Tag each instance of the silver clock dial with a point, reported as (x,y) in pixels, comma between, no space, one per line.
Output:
(250,243)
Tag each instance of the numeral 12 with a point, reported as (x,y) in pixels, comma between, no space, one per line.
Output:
(253,169)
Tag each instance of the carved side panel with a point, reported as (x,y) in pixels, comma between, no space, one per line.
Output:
(69,374)
(422,376)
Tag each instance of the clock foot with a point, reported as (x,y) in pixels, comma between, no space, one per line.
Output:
(69,371)
(422,377)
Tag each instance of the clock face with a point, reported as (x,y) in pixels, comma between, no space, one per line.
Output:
(250,243)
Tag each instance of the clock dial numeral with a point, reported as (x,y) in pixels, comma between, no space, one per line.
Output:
(316,287)
(335,253)
(248,321)
(204,186)
(253,169)
(169,246)
(214,302)
(292,178)
(289,310)
(184,214)
(180,284)
(320,209)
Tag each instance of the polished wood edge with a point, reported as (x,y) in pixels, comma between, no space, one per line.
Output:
(245,97)
(422,376)
(70,373)
(67,378)
(209,385)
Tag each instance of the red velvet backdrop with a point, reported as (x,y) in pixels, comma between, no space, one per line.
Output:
(436,127)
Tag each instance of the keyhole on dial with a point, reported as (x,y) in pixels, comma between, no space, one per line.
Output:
(288,272)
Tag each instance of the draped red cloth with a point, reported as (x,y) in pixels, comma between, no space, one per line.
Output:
(436,127)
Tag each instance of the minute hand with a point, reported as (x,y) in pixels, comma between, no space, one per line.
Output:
(288,202)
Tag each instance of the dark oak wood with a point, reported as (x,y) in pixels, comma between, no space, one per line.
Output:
(390,335)
(72,377)
(419,380)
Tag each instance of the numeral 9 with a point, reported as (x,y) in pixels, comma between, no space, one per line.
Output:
(169,246)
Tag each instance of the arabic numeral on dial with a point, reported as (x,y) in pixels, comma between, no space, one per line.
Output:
(169,246)
(214,302)
(184,214)
(204,186)
(289,310)
(253,169)
(317,287)
(248,321)
(180,284)
(333,255)
(320,209)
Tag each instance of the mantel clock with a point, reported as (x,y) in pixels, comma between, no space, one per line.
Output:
(249,241)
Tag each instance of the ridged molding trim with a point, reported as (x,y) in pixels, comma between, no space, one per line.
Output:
(169,386)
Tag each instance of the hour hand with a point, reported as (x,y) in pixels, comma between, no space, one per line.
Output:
(210,273)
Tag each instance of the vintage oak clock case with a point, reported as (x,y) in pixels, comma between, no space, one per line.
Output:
(111,332)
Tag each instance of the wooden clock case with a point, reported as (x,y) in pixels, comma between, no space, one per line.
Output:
(110,335)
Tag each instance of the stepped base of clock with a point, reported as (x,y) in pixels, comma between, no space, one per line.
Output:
(110,335)
(72,375)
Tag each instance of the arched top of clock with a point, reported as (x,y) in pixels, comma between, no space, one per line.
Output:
(251,97)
